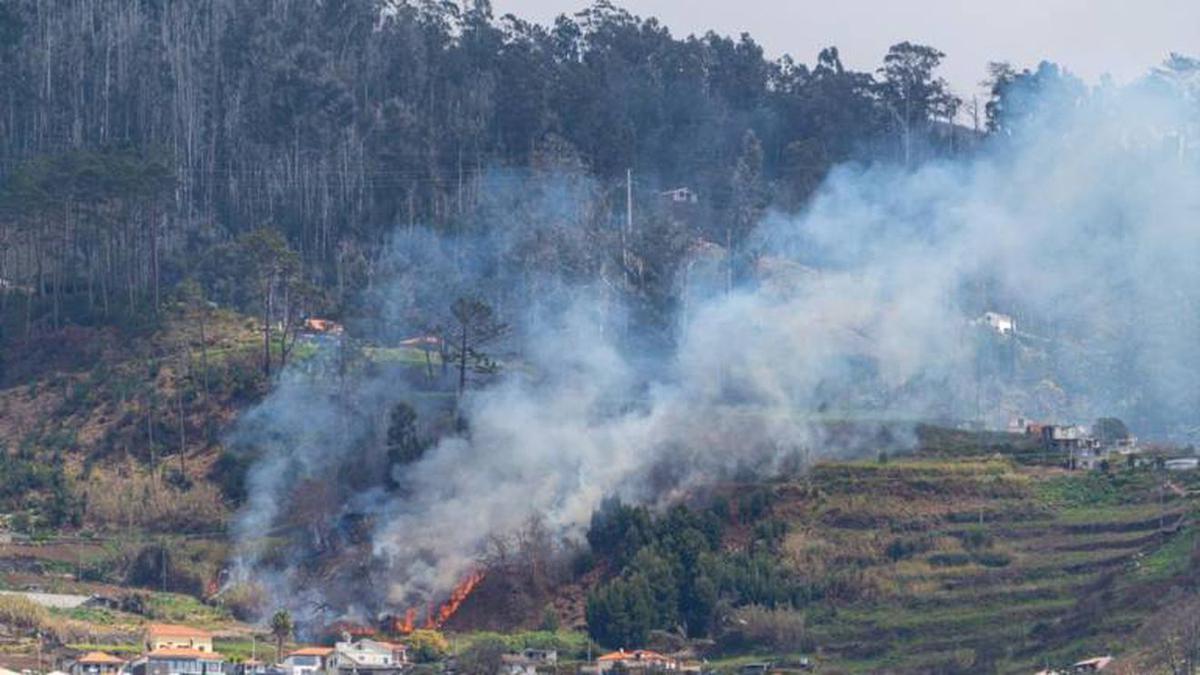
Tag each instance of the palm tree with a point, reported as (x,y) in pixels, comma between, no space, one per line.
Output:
(281,628)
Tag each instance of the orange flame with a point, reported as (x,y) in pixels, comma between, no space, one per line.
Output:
(438,618)
(435,615)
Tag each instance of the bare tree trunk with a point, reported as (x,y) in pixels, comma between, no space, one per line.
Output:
(462,363)
(267,310)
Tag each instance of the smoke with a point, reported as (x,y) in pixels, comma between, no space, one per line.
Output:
(1081,222)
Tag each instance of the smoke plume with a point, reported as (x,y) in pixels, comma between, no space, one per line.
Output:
(1080,222)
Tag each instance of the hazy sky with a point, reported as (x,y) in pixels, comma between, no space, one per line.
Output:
(1123,38)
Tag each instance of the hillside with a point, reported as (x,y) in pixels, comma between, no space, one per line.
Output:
(113,438)
(929,563)
(974,552)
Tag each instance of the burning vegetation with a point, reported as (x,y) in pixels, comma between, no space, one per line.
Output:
(435,616)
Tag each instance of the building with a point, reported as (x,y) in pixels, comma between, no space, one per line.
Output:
(1001,323)
(247,667)
(547,657)
(680,195)
(528,661)
(639,659)
(515,664)
(96,663)
(1067,438)
(179,661)
(173,636)
(1092,665)
(368,656)
(308,660)
(315,326)
(1182,464)
(1019,424)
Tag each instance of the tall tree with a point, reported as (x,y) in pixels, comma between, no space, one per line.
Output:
(275,268)
(474,326)
(912,95)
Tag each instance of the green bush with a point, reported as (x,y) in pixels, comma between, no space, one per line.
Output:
(992,559)
(902,548)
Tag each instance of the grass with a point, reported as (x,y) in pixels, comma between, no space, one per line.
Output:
(1170,560)
(177,608)
(1093,489)
(21,612)
(127,649)
(1047,543)
(569,644)
(237,650)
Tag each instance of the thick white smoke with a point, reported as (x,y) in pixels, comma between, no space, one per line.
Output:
(1084,224)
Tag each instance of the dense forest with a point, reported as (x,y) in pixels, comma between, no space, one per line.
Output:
(140,140)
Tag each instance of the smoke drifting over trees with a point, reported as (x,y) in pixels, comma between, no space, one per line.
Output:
(1079,220)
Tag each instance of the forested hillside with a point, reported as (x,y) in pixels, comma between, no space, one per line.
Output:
(138,138)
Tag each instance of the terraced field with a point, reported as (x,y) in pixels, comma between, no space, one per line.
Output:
(981,565)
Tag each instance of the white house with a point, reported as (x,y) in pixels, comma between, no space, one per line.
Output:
(307,661)
(528,661)
(368,656)
(1001,323)
(1182,464)
(680,195)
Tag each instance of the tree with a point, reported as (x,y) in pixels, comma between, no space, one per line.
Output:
(1042,95)
(749,197)
(403,442)
(620,613)
(281,630)
(274,267)
(911,93)
(474,327)
(428,645)
(191,296)
(1110,430)
(483,657)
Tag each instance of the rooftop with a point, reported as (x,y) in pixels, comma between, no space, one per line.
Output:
(635,655)
(99,658)
(312,651)
(184,653)
(175,630)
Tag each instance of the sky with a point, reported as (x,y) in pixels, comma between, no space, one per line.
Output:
(1091,38)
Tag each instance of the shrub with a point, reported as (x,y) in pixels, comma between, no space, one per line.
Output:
(483,655)
(976,539)
(901,548)
(21,612)
(780,630)
(139,500)
(992,559)
(246,601)
(428,646)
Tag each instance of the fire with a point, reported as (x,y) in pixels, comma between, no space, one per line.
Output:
(437,615)
(457,597)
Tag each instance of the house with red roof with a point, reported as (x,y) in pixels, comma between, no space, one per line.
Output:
(638,659)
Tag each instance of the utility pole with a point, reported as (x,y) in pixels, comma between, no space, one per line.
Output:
(626,239)
(627,235)
(629,201)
